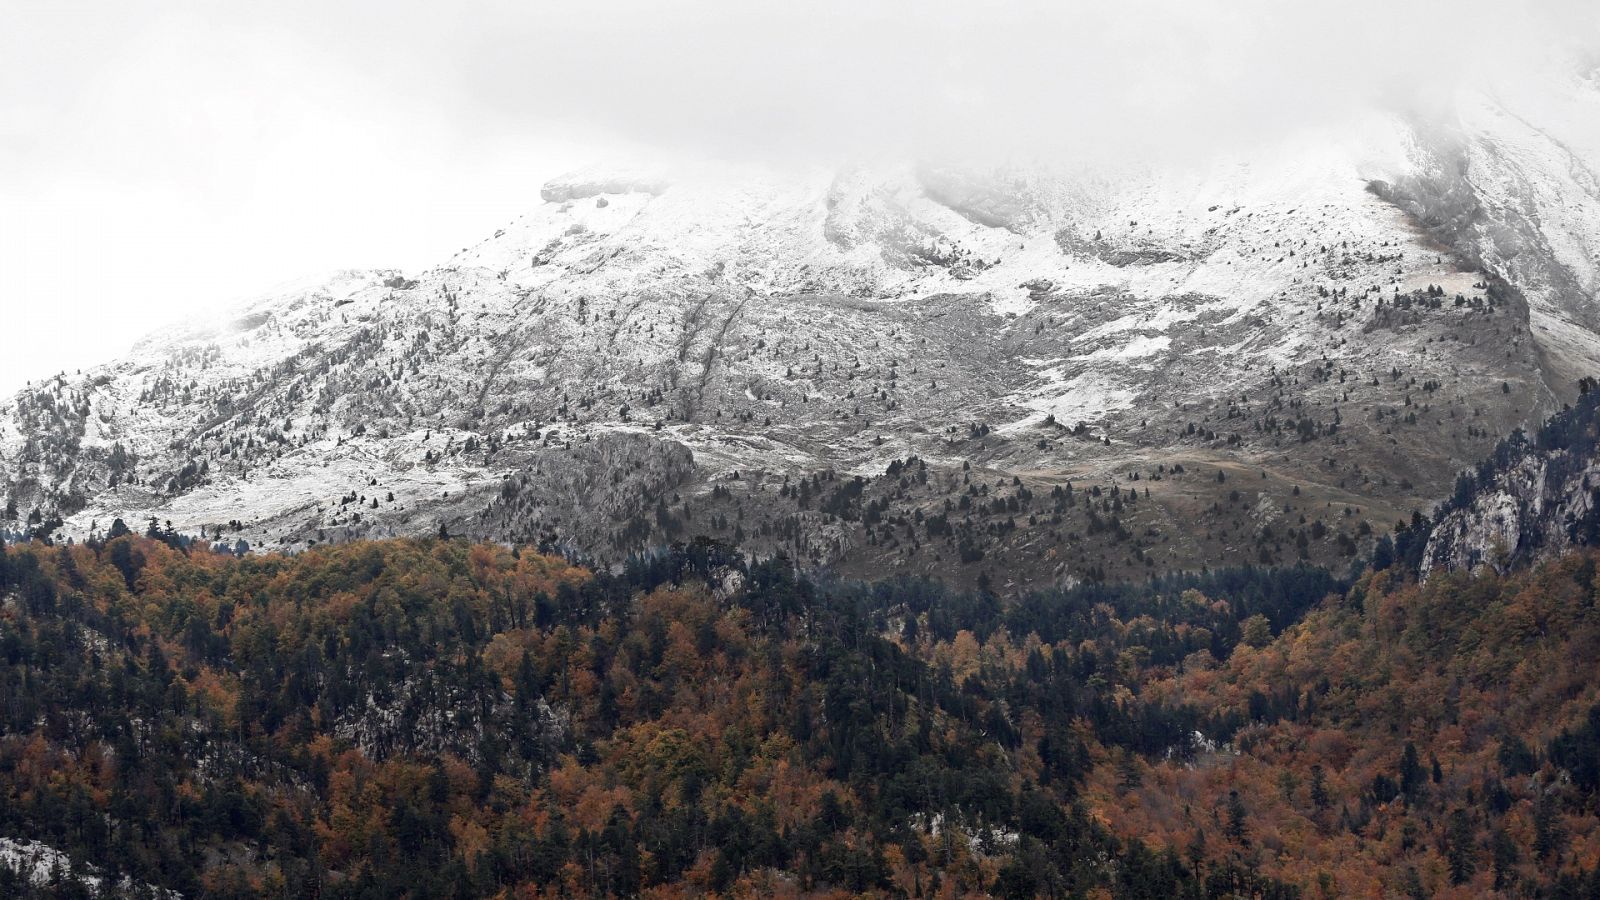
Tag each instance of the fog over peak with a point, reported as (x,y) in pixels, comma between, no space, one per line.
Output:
(1084,81)
(156,158)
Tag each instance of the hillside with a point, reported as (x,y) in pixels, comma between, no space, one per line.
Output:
(424,717)
(1402,740)
(427,718)
(894,368)
(430,718)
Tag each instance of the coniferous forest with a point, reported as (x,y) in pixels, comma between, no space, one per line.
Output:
(432,718)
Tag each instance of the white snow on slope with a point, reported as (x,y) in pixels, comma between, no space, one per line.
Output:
(603,288)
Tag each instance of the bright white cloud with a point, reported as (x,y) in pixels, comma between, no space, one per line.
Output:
(156,158)
(154,166)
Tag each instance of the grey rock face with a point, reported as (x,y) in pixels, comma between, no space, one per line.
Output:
(1530,503)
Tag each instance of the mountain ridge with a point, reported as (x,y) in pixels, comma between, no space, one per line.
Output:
(1274,353)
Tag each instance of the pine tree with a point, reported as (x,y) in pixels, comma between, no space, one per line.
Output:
(1548,835)
(1412,775)
(1460,851)
(1319,788)
(1236,816)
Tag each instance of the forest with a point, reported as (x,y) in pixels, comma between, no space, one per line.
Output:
(435,718)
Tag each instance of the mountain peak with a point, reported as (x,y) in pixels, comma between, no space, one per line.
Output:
(879,366)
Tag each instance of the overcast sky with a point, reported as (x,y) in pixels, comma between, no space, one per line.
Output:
(157,159)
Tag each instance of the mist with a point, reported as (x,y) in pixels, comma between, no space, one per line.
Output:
(1087,81)
(160,160)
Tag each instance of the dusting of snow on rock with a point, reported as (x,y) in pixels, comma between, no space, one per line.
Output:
(641,344)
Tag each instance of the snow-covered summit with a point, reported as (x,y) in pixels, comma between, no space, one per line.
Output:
(1340,320)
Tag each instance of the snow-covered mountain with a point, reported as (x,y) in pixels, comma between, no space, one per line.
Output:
(1020,374)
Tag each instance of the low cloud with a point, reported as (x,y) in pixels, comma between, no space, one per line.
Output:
(157,158)
(1085,80)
